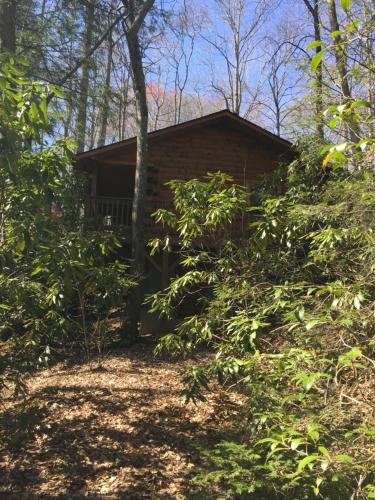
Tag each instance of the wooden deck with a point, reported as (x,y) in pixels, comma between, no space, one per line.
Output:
(109,213)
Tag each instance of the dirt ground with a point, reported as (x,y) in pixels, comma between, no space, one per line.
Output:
(123,432)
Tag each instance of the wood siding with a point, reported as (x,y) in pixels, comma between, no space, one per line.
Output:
(187,156)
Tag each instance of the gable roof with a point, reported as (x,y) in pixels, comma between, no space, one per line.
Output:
(224,116)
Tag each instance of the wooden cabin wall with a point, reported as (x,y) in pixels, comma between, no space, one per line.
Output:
(193,154)
(188,155)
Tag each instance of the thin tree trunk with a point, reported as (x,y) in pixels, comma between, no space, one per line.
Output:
(105,102)
(120,113)
(278,122)
(95,111)
(93,125)
(125,107)
(84,87)
(136,12)
(8,16)
(138,229)
(71,97)
(314,11)
(237,76)
(340,57)
(43,10)
(341,65)
(370,74)
(68,116)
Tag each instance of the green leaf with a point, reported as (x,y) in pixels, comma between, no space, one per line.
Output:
(314,44)
(323,450)
(361,103)
(345,4)
(351,27)
(332,124)
(37,270)
(344,458)
(348,358)
(346,322)
(300,314)
(310,324)
(20,247)
(314,435)
(296,442)
(43,108)
(305,461)
(333,34)
(324,465)
(34,112)
(317,59)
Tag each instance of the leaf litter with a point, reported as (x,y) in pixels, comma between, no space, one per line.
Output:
(122,431)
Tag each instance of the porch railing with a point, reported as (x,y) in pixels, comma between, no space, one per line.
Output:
(112,213)
(108,212)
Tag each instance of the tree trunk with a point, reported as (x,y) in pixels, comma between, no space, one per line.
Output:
(8,16)
(278,120)
(136,12)
(138,229)
(314,11)
(84,86)
(68,115)
(236,101)
(319,76)
(105,102)
(339,54)
(341,65)
(369,51)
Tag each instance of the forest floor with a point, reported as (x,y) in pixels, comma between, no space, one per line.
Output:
(120,432)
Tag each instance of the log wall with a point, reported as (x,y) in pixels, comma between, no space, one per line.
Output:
(188,155)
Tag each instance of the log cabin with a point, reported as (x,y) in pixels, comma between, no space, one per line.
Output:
(219,141)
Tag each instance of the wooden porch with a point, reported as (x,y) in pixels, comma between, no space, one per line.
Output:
(109,213)
(113,213)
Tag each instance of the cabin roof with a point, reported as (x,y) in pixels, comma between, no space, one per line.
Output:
(223,117)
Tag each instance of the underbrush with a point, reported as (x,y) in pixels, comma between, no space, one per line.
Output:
(289,311)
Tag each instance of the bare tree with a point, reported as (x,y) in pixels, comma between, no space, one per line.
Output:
(282,81)
(185,26)
(157,96)
(236,46)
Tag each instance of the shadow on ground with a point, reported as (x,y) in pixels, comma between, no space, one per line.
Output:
(120,433)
